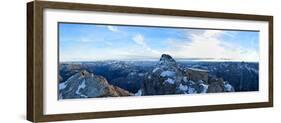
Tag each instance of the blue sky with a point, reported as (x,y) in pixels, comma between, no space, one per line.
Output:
(90,42)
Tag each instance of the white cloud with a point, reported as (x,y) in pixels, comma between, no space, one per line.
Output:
(207,44)
(112,28)
(139,39)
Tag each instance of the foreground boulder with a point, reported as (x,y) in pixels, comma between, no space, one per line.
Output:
(218,85)
(196,74)
(87,85)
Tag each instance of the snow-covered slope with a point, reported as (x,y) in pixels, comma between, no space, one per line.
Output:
(87,85)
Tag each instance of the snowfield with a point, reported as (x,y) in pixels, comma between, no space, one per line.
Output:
(170,81)
(168,74)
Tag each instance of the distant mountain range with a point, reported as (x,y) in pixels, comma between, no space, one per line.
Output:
(166,76)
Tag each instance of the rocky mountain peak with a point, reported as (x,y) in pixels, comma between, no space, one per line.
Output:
(166,59)
(168,78)
(87,85)
(164,78)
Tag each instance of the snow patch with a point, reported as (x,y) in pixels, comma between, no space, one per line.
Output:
(200,81)
(185,79)
(133,73)
(204,88)
(81,86)
(183,87)
(60,96)
(155,69)
(62,85)
(170,81)
(138,93)
(191,90)
(141,74)
(167,74)
(227,87)
(191,82)
(161,62)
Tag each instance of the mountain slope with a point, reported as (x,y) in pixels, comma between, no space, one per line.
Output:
(87,85)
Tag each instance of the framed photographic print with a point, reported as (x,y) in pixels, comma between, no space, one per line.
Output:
(96,61)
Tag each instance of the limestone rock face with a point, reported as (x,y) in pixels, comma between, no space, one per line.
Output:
(164,78)
(215,87)
(218,85)
(87,85)
(195,74)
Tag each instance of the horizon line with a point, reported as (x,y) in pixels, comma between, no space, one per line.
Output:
(177,59)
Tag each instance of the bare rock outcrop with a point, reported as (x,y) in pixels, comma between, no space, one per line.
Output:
(87,85)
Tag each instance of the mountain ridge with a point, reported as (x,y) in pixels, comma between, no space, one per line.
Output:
(88,85)
(165,76)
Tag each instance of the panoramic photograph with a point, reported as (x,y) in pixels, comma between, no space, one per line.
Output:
(101,60)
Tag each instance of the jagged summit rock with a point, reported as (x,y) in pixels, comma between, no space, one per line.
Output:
(167,59)
(164,78)
(87,85)
(167,63)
